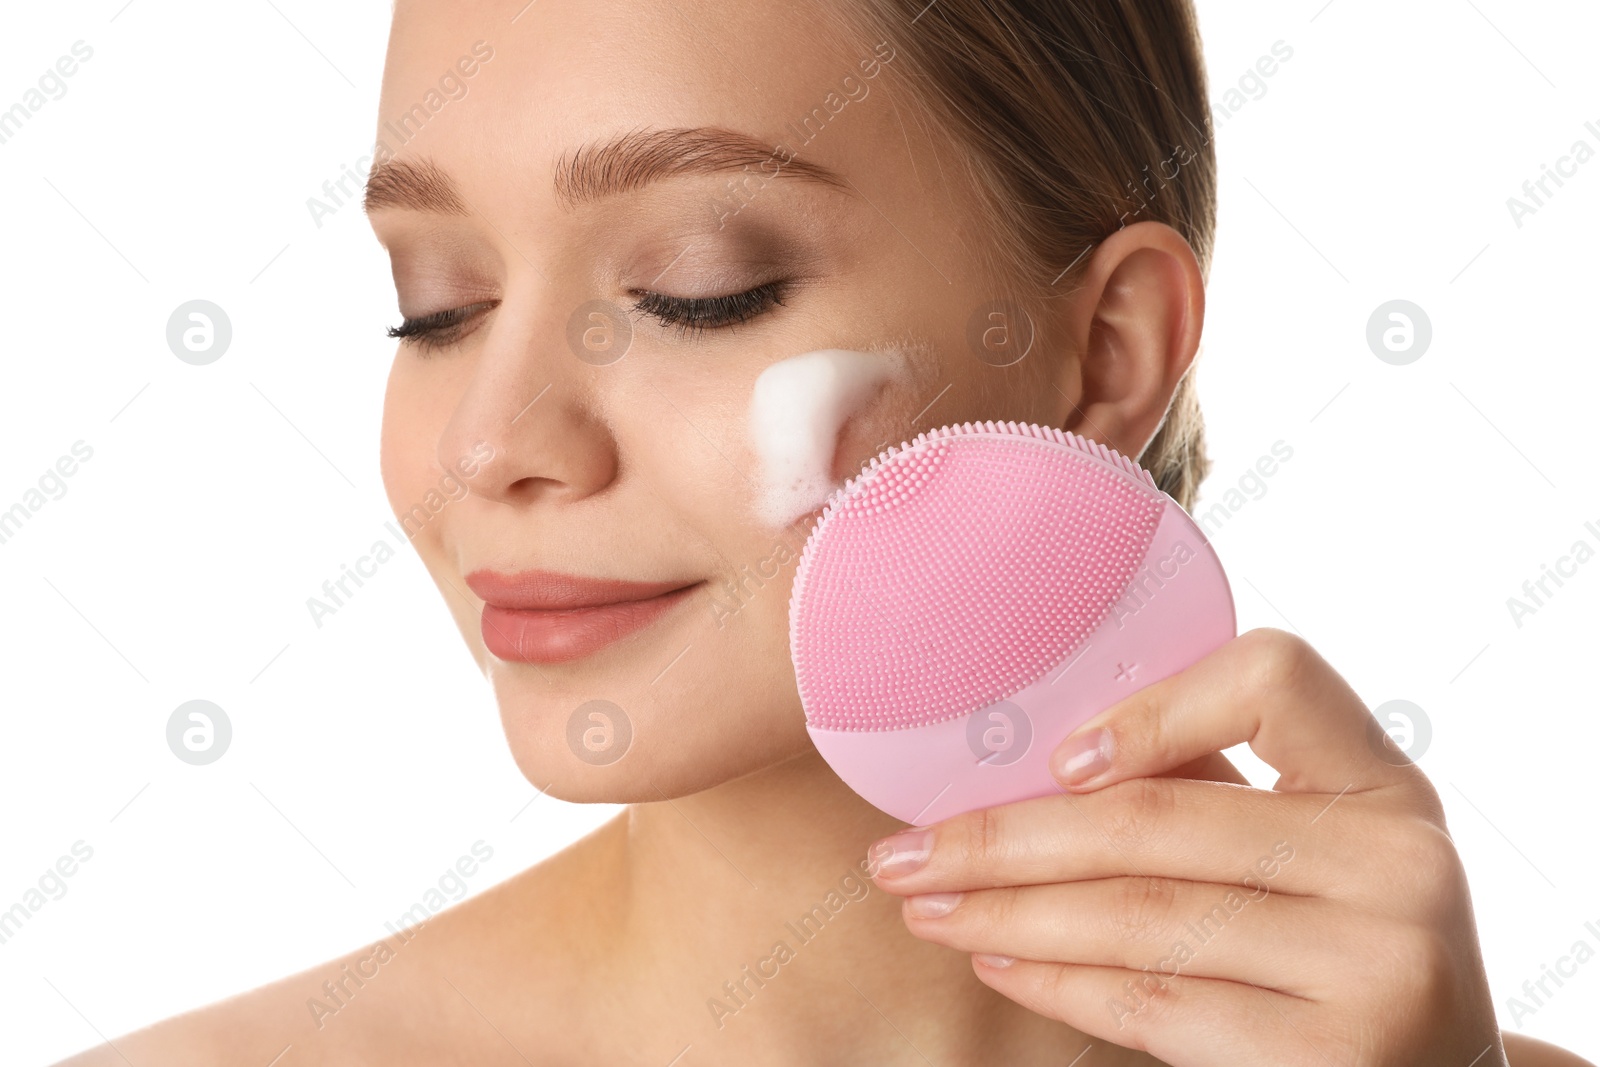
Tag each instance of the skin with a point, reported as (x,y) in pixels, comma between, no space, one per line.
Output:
(609,951)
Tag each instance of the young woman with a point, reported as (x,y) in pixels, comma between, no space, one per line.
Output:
(605,220)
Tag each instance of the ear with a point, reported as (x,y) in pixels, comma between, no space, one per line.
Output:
(1133,329)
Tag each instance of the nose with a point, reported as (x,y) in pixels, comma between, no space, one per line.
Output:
(529,427)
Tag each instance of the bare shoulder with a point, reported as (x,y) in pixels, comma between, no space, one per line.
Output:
(453,989)
(1523,1051)
(358,1008)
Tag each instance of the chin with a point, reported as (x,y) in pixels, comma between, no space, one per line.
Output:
(592,751)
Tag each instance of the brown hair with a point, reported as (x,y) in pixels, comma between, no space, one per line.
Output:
(1079,117)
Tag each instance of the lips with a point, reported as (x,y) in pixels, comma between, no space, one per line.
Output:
(544,617)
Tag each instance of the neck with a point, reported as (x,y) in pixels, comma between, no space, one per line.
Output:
(746,907)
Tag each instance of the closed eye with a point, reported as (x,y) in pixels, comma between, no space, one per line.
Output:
(440,328)
(694,314)
(691,315)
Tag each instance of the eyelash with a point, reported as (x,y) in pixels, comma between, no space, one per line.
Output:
(695,314)
(439,329)
(691,315)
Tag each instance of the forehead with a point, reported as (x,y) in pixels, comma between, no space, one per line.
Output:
(552,74)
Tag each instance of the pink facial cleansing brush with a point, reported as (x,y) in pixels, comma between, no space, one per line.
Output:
(976,593)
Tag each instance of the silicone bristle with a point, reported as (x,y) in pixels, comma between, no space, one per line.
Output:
(957,568)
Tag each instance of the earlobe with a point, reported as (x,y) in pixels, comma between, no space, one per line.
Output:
(1136,327)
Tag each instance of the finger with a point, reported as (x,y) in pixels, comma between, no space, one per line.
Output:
(1212,767)
(1170,927)
(1196,1022)
(1156,827)
(1267,688)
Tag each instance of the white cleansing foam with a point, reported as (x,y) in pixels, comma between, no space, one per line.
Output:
(797,409)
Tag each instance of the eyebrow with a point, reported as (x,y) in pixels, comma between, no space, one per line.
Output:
(600,169)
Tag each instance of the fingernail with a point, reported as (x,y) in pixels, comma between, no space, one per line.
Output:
(1083,756)
(932,905)
(902,853)
(994,961)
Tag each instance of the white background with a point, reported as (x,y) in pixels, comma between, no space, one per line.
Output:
(367,755)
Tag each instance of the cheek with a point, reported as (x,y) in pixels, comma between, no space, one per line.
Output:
(396,435)
(688,442)
(408,442)
(744,455)
(814,419)
(416,407)
(912,401)
(682,435)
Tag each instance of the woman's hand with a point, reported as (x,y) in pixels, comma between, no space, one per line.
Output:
(1325,921)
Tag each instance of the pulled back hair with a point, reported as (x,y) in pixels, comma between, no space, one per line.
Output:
(1076,117)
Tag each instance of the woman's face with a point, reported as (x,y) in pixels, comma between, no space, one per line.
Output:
(591,437)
